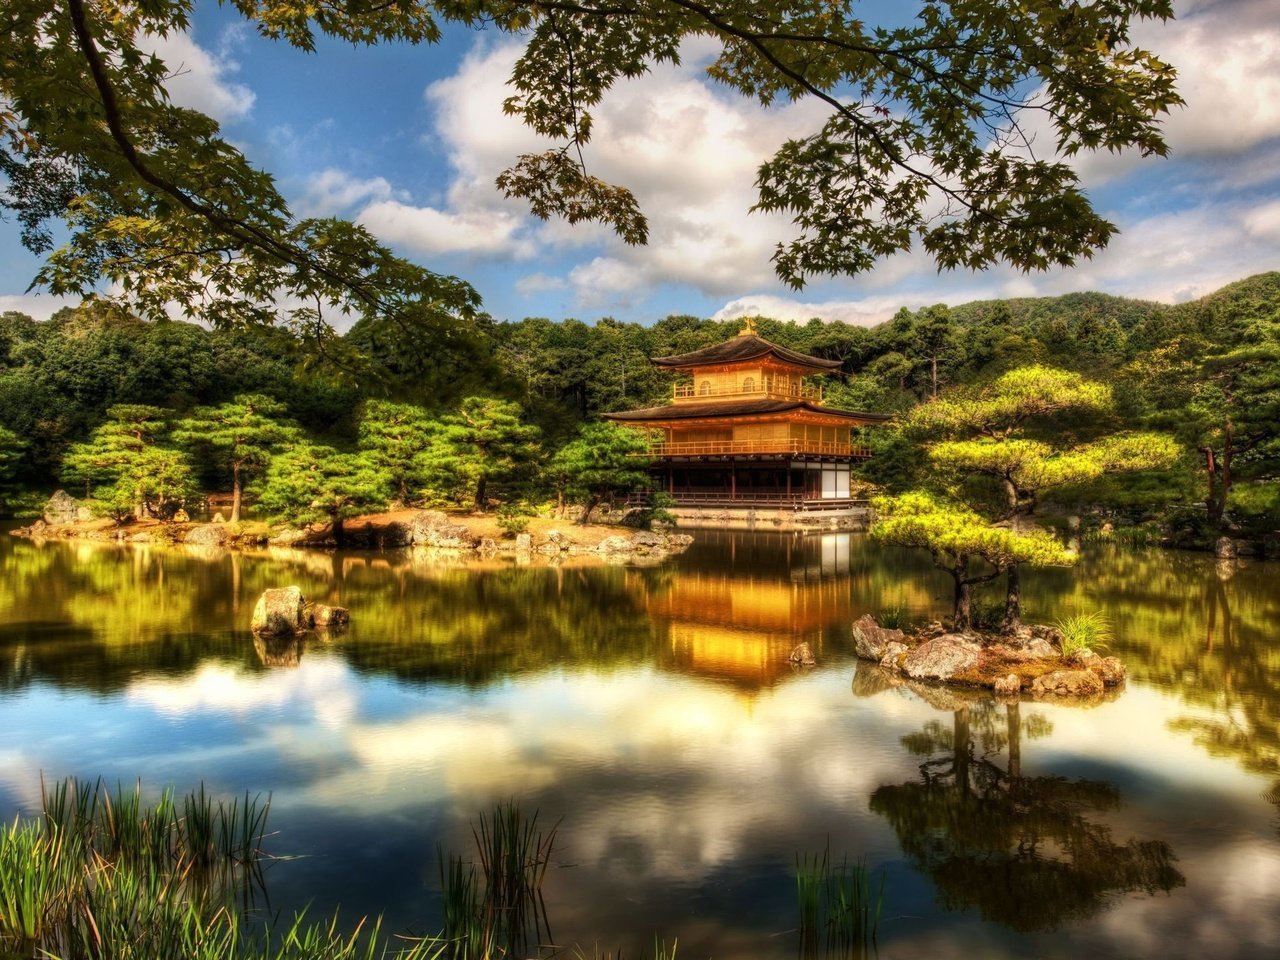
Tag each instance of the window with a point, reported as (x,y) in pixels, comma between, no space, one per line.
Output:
(704,388)
(748,385)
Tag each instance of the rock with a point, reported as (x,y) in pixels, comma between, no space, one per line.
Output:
(803,655)
(615,544)
(1040,648)
(218,518)
(676,542)
(524,543)
(278,612)
(557,540)
(1224,549)
(870,639)
(1067,683)
(395,534)
(1007,686)
(1111,670)
(142,537)
(61,508)
(38,529)
(647,538)
(488,546)
(181,516)
(941,658)
(893,651)
(83,514)
(431,528)
(207,534)
(323,615)
(286,537)
(1046,632)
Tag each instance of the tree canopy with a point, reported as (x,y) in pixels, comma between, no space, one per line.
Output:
(926,137)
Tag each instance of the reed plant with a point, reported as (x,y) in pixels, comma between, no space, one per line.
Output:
(497,909)
(839,906)
(1084,631)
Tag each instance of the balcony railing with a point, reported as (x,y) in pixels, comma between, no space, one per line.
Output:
(784,445)
(687,391)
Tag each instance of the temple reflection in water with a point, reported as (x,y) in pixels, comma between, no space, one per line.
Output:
(740,622)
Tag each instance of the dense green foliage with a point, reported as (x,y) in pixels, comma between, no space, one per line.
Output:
(1199,372)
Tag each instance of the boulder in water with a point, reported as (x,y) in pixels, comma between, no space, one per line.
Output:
(279,611)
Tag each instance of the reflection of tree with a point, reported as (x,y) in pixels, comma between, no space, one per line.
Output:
(1196,626)
(1020,849)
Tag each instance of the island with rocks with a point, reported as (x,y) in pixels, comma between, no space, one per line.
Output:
(1029,661)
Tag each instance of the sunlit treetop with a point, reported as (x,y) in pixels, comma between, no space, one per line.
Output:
(1003,406)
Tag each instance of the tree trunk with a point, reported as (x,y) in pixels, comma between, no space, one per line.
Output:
(1211,498)
(235,493)
(1224,488)
(961,614)
(592,502)
(1012,602)
(339,532)
(480,493)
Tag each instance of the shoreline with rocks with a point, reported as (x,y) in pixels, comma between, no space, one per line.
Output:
(1028,662)
(464,537)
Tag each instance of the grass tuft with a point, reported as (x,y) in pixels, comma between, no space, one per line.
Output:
(839,905)
(1084,631)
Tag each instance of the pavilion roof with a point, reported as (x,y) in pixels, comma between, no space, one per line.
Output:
(735,408)
(745,346)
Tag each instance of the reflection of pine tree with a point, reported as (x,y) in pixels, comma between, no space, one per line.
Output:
(1019,849)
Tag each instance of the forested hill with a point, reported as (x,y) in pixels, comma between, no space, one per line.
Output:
(1167,364)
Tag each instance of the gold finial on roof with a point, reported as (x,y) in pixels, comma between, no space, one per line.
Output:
(748,327)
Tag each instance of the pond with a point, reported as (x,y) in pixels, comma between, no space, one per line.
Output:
(651,713)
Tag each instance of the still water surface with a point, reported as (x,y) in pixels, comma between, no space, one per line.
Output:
(652,713)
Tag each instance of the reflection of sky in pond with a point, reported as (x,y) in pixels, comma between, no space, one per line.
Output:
(683,799)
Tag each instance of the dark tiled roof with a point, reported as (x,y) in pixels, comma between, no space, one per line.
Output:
(748,347)
(734,408)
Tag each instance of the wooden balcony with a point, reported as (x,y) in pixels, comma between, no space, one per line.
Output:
(687,392)
(781,447)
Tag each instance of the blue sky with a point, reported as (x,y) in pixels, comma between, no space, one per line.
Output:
(408,140)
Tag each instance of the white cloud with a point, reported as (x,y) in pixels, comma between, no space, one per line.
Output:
(430,231)
(866,312)
(687,151)
(198,79)
(38,306)
(538,283)
(332,191)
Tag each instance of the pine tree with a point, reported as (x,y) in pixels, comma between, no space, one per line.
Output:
(603,460)
(956,537)
(484,442)
(126,466)
(312,483)
(994,420)
(396,439)
(239,436)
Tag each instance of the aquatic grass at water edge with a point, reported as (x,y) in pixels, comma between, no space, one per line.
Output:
(839,905)
(1084,631)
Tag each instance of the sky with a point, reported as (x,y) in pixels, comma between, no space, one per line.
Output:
(408,140)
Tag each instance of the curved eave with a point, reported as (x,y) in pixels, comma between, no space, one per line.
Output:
(742,349)
(707,411)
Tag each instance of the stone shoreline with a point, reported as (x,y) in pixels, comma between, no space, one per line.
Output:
(1029,662)
(463,537)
